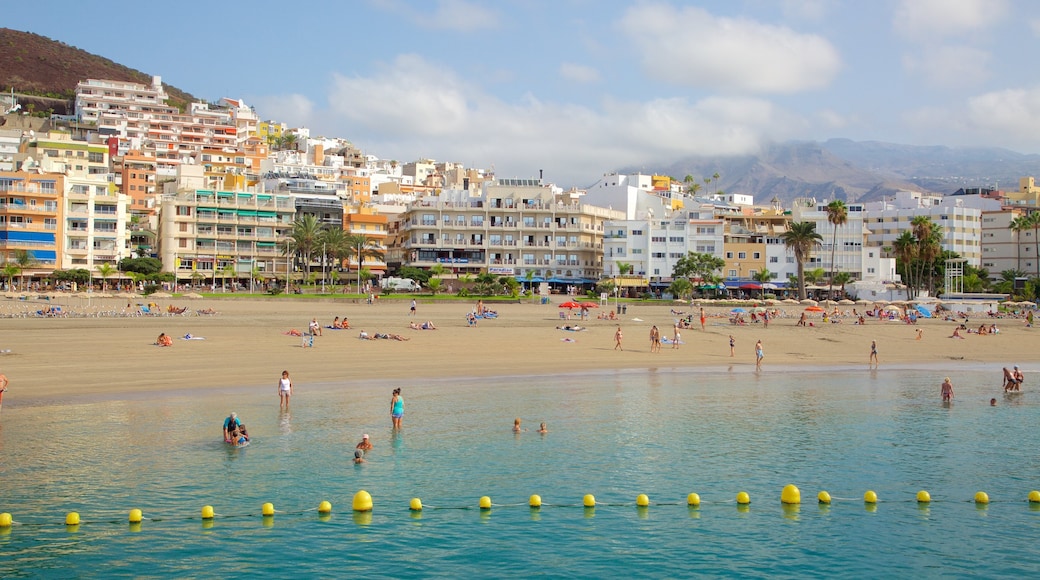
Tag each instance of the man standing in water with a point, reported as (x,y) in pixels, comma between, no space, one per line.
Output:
(397,408)
(759,355)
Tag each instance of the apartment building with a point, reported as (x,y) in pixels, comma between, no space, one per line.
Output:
(206,234)
(30,217)
(365,221)
(846,241)
(961,224)
(509,227)
(1005,249)
(134,174)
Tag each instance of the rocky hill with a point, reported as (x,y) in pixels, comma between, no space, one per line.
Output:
(31,64)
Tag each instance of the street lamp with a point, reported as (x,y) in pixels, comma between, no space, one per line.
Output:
(617,295)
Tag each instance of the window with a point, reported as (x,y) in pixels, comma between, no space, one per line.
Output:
(657,239)
(657,255)
(637,232)
(729,255)
(741,255)
(774,259)
(732,273)
(757,255)
(790,259)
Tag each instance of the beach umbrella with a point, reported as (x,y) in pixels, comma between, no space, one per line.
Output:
(738,311)
(829,302)
(192,295)
(881,302)
(161,295)
(770,302)
(814,309)
(789,301)
(893,308)
(846,302)
(923,311)
(864,302)
(809,302)
(570,304)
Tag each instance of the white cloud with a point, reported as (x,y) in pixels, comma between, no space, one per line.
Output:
(830,119)
(691,47)
(456,15)
(294,110)
(1008,118)
(579,73)
(415,108)
(924,20)
(948,66)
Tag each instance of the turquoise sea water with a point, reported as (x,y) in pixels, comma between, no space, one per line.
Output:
(663,433)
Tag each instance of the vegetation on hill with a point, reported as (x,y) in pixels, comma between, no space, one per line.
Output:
(31,64)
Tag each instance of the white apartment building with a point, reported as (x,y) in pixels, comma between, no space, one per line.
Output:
(1004,249)
(849,243)
(510,227)
(9,140)
(962,225)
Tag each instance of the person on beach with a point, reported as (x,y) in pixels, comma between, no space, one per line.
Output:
(397,408)
(703,318)
(759,355)
(920,333)
(956,333)
(3,388)
(359,456)
(676,337)
(732,347)
(542,429)
(873,362)
(164,340)
(992,402)
(284,390)
(315,327)
(655,339)
(617,339)
(946,390)
(234,431)
(411,311)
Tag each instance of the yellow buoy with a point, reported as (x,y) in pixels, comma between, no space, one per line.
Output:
(135,516)
(362,501)
(790,494)
(923,496)
(5,520)
(535,501)
(589,500)
(823,497)
(981,497)
(1034,496)
(743,498)
(267,509)
(207,512)
(642,500)
(870,497)
(415,505)
(485,503)
(72,519)
(324,507)
(693,499)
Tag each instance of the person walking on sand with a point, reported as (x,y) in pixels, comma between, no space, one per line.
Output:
(675,338)
(759,355)
(284,390)
(732,347)
(920,332)
(655,339)
(617,339)
(397,408)
(946,390)
(3,388)
(411,311)
(873,362)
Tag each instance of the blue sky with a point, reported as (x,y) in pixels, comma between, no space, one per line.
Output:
(578,88)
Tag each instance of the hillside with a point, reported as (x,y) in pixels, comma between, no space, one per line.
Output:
(857,170)
(36,65)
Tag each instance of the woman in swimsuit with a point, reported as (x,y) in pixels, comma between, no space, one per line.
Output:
(397,408)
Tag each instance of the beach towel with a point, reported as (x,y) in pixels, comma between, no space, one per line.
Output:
(669,341)
(192,337)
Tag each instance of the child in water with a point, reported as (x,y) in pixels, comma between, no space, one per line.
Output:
(542,429)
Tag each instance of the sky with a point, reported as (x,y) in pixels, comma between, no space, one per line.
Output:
(580,88)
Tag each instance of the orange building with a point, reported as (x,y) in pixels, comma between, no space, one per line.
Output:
(363,221)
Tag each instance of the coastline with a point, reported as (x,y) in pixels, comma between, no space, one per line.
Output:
(244,347)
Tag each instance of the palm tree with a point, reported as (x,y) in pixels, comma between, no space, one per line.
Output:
(334,246)
(305,238)
(801,238)
(762,276)
(9,271)
(692,187)
(837,215)
(1034,220)
(1018,225)
(681,288)
(715,178)
(841,279)
(361,247)
(25,260)
(105,270)
(906,248)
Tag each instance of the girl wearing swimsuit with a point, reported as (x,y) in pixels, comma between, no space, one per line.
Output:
(284,390)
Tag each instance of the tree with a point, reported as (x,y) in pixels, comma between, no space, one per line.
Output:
(929,243)
(1034,220)
(837,215)
(762,276)
(11,270)
(146,266)
(801,238)
(681,288)
(226,271)
(25,260)
(434,285)
(692,187)
(1018,225)
(841,279)
(697,266)
(624,268)
(334,246)
(417,274)
(361,247)
(305,238)
(715,178)
(905,247)
(815,276)
(105,270)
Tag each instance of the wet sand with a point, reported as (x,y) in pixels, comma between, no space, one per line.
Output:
(245,345)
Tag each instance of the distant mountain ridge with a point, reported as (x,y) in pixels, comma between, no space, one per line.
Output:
(37,65)
(856,171)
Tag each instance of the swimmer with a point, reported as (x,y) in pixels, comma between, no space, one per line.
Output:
(359,456)
(946,390)
(365,444)
(542,429)
(992,402)
(516,426)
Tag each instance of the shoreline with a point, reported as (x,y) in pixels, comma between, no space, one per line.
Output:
(244,347)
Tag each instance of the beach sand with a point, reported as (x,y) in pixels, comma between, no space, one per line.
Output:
(245,345)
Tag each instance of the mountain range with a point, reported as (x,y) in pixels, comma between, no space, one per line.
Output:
(44,73)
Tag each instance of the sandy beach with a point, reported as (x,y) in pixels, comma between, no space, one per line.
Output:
(245,344)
